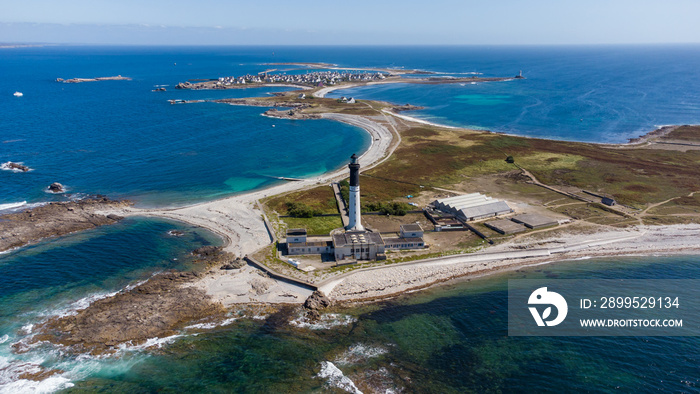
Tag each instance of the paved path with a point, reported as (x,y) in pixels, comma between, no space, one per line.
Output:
(342,208)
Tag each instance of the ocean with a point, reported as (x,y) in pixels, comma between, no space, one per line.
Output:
(120,139)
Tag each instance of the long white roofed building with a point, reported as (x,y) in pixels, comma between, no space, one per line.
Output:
(473,206)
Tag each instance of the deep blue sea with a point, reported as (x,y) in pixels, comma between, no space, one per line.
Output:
(120,139)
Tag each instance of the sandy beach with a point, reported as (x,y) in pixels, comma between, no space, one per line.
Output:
(237,218)
(239,221)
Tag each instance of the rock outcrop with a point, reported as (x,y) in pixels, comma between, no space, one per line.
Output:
(56,188)
(214,256)
(154,309)
(315,303)
(234,265)
(406,107)
(55,219)
(290,114)
(15,166)
(207,251)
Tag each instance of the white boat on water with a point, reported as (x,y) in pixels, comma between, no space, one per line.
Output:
(19,94)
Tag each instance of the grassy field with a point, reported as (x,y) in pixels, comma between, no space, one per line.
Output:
(320,199)
(467,161)
(318,225)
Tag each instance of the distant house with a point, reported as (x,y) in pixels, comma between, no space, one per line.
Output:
(302,96)
(351,100)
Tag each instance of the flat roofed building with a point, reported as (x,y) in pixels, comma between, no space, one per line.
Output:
(533,220)
(413,230)
(296,235)
(404,243)
(505,226)
(359,245)
(319,247)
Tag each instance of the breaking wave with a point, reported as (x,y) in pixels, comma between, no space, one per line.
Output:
(335,378)
(209,326)
(12,205)
(326,321)
(14,378)
(359,353)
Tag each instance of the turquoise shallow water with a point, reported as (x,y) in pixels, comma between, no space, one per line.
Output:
(121,139)
(594,94)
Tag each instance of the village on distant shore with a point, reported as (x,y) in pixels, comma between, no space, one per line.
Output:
(333,77)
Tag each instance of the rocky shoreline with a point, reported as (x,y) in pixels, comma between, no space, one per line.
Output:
(252,102)
(290,114)
(55,219)
(155,309)
(161,307)
(406,107)
(660,132)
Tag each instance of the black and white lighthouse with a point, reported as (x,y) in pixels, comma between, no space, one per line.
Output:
(354,222)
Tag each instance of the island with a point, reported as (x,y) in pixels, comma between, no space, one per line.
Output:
(547,201)
(80,80)
(327,76)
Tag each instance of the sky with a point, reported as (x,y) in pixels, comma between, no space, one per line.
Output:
(349,22)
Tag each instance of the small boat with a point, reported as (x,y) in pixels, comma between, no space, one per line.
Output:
(19,94)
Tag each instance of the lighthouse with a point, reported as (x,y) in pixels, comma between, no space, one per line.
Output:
(354,222)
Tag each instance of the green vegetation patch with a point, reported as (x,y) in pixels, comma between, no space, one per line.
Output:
(378,189)
(300,210)
(317,225)
(320,199)
(387,208)
(419,132)
(549,161)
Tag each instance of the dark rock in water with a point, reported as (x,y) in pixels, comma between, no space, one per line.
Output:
(317,301)
(15,166)
(175,233)
(214,256)
(234,265)
(56,188)
(206,251)
(114,217)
